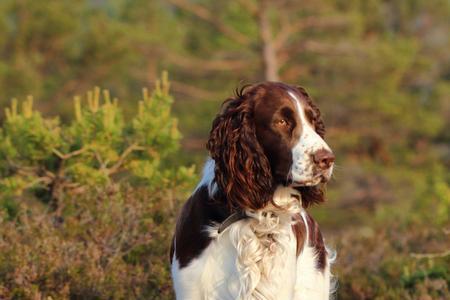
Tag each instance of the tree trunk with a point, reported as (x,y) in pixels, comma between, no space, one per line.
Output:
(269,55)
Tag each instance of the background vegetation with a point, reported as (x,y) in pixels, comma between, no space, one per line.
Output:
(90,187)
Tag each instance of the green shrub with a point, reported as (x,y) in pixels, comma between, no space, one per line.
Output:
(381,265)
(87,208)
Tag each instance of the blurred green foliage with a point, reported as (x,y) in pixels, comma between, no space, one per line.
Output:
(87,208)
(38,153)
(379,71)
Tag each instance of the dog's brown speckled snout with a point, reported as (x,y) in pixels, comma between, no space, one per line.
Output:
(323,159)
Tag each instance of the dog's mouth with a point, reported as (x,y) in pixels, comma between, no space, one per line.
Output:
(316,180)
(319,178)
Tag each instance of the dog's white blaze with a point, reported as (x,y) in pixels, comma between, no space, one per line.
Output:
(308,143)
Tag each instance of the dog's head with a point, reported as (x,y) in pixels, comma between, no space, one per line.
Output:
(269,134)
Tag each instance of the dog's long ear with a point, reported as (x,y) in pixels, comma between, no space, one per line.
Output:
(242,171)
(311,195)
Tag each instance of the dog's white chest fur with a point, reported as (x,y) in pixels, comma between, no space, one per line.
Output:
(220,273)
(254,258)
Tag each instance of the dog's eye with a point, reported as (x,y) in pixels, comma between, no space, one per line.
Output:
(282,123)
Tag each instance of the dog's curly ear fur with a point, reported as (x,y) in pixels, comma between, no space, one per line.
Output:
(242,171)
(311,195)
(317,119)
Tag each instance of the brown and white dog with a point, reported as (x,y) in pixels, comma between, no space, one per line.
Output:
(244,233)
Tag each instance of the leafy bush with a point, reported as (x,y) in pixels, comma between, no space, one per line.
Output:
(379,264)
(88,207)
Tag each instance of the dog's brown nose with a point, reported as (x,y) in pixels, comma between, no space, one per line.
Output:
(323,158)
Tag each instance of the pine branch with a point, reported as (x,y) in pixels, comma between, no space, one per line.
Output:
(430,255)
(250,7)
(192,91)
(125,154)
(69,155)
(193,63)
(45,180)
(204,14)
(293,28)
(321,48)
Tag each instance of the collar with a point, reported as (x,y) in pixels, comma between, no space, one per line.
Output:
(234,217)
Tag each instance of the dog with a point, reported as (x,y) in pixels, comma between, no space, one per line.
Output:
(245,233)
